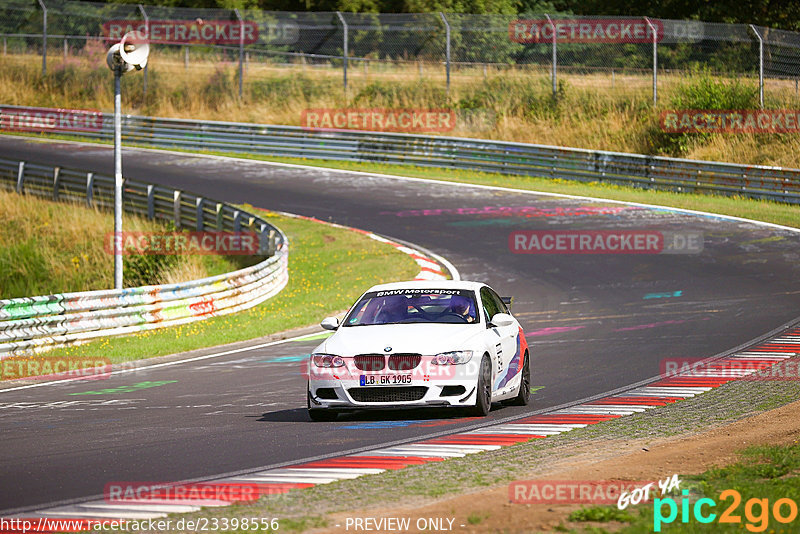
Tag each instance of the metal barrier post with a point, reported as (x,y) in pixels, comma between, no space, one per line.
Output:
(447,48)
(89,188)
(555,56)
(147,34)
(176,208)
(65,50)
(760,66)
(44,37)
(198,213)
(151,202)
(344,49)
(655,60)
(56,182)
(241,51)
(20,176)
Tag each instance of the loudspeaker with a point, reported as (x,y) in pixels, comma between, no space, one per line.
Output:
(130,53)
(134,49)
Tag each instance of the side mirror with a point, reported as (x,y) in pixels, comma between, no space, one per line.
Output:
(502,319)
(330,323)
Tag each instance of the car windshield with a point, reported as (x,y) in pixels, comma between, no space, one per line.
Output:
(399,306)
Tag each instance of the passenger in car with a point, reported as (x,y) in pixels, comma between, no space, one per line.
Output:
(461,306)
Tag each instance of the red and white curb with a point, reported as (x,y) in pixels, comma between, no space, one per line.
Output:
(759,357)
(432,266)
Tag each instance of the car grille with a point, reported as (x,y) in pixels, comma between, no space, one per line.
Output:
(370,362)
(388,394)
(404,362)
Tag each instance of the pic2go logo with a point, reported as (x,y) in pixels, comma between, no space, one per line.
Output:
(756,511)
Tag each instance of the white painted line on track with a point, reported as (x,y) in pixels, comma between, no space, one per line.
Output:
(171,363)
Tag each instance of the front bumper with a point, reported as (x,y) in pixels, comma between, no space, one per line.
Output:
(426,385)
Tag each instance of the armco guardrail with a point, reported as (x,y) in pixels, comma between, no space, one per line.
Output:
(29,325)
(682,175)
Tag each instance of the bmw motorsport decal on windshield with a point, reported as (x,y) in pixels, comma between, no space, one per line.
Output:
(414,305)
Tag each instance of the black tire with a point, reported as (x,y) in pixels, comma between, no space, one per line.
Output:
(317,414)
(523,398)
(483,393)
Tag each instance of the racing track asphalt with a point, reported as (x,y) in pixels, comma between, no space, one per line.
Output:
(594,323)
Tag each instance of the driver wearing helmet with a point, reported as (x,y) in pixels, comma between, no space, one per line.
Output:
(463,307)
(394,310)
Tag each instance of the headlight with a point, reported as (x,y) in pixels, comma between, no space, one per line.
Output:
(453,358)
(327,360)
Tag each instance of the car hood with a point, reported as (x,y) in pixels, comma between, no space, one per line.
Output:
(425,339)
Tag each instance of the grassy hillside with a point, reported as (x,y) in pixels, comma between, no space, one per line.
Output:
(53,247)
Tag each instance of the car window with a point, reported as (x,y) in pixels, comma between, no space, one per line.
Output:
(499,301)
(456,306)
(490,307)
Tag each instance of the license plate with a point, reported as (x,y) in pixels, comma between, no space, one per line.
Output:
(384,380)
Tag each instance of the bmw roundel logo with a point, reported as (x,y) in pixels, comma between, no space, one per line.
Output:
(387,349)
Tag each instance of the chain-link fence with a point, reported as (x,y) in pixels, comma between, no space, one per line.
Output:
(620,52)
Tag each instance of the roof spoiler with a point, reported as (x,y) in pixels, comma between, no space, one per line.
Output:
(508,301)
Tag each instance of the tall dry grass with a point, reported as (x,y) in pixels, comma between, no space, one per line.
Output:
(596,111)
(57,247)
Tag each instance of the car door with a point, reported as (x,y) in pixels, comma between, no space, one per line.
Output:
(505,340)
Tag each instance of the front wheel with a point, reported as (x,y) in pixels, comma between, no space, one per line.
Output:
(524,395)
(483,400)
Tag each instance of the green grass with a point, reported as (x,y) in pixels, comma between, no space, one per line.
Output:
(328,269)
(53,247)
(765,472)
(600,514)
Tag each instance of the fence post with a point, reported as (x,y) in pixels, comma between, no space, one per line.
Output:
(553,74)
(760,66)
(44,38)
(65,50)
(344,48)
(147,33)
(655,60)
(447,47)
(186,58)
(241,51)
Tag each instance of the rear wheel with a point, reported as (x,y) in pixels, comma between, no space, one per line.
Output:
(319,414)
(483,400)
(524,395)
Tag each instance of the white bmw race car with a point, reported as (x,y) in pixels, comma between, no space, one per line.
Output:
(418,344)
